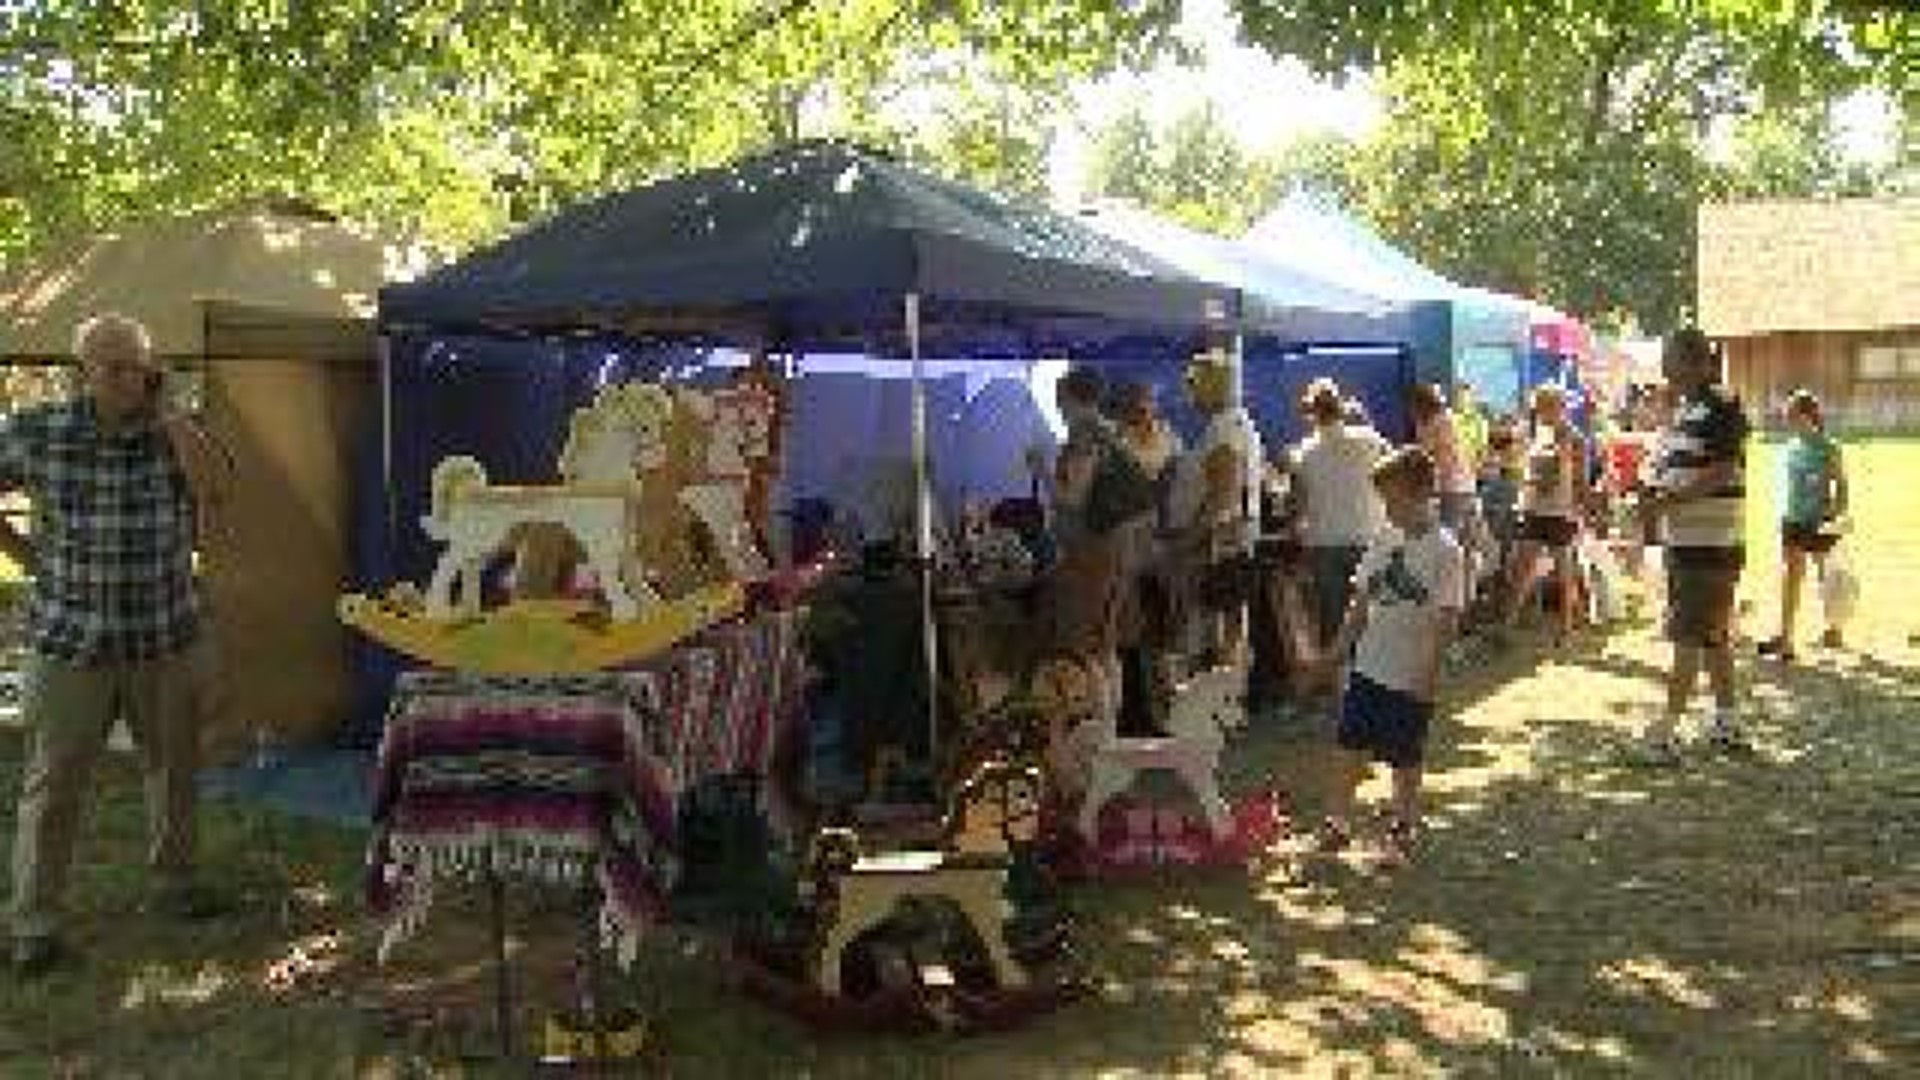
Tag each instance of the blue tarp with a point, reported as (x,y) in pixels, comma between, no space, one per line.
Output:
(806,249)
(1298,324)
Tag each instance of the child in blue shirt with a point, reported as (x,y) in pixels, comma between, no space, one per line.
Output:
(1813,496)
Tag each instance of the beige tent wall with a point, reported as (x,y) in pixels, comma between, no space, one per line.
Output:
(274,579)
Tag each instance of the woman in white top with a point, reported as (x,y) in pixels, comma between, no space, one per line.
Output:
(1340,510)
(1550,499)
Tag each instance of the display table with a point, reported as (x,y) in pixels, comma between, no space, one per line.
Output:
(572,778)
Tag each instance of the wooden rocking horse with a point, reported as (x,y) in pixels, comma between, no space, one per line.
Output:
(1203,708)
(610,443)
(739,428)
(856,892)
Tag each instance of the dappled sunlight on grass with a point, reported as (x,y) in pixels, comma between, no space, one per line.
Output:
(160,985)
(1571,912)
(1652,976)
(306,960)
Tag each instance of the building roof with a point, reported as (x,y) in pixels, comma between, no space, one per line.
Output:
(1833,264)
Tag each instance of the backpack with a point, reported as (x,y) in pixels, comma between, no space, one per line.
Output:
(1120,490)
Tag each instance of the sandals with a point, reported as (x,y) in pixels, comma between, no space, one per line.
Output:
(1332,838)
(1403,838)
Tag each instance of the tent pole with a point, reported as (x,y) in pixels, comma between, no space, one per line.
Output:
(385,352)
(923,526)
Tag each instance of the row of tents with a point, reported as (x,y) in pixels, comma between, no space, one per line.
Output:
(338,389)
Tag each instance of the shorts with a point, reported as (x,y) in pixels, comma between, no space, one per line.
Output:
(1700,588)
(1458,510)
(1548,529)
(1387,724)
(1808,539)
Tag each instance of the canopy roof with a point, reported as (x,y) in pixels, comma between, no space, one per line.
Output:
(1306,232)
(809,245)
(261,279)
(1277,299)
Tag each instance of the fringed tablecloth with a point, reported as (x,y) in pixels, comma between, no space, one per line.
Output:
(565,777)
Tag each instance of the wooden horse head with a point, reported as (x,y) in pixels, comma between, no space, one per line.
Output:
(1065,690)
(623,432)
(745,412)
(998,805)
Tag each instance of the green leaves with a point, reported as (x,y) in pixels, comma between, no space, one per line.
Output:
(449,121)
(1557,148)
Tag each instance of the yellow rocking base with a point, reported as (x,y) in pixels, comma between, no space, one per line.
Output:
(537,637)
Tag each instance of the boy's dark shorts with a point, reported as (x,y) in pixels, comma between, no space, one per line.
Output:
(1810,539)
(1701,583)
(1383,722)
(1549,530)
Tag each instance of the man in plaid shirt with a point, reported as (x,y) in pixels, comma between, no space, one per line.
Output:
(118,489)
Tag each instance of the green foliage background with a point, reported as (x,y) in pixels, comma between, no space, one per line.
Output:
(1551,148)
(1555,148)
(449,121)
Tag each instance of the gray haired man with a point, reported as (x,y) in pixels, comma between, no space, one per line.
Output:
(119,488)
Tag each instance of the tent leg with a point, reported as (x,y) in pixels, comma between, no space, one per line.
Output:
(386,439)
(923,527)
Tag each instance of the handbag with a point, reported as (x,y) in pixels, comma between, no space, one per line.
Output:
(1839,591)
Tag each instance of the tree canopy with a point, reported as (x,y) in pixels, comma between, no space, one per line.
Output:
(1557,148)
(448,120)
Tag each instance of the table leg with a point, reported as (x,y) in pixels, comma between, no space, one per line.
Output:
(503,989)
(597,1005)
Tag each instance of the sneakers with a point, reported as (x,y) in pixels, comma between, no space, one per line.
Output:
(1658,751)
(1777,649)
(1403,838)
(1331,838)
(39,956)
(1727,739)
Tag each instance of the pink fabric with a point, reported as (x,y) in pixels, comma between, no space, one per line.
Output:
(574,774)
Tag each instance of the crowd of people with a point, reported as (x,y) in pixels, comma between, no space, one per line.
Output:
(1341,568)
(1337,569)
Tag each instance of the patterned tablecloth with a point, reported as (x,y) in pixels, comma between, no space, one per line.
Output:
(562,777)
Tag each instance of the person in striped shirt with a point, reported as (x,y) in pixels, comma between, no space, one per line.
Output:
(1698,488)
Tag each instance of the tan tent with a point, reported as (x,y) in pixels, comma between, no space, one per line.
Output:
(273,305)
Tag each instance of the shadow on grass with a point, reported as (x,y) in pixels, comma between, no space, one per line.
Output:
(1570,914)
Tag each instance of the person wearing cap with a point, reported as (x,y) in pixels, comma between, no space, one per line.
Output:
(121,489)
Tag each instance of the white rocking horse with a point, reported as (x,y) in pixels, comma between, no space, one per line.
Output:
(1204,707)
(739,435)
(621,435)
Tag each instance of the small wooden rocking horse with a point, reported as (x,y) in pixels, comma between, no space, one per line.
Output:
(856,892)
(1088,756)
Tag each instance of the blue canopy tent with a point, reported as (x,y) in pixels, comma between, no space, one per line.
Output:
(1296,326)
(814,248)
(1461,333)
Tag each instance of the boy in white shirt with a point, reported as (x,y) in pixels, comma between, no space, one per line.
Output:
(1408,594)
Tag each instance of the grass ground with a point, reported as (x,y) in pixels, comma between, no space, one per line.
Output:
(1572,915)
